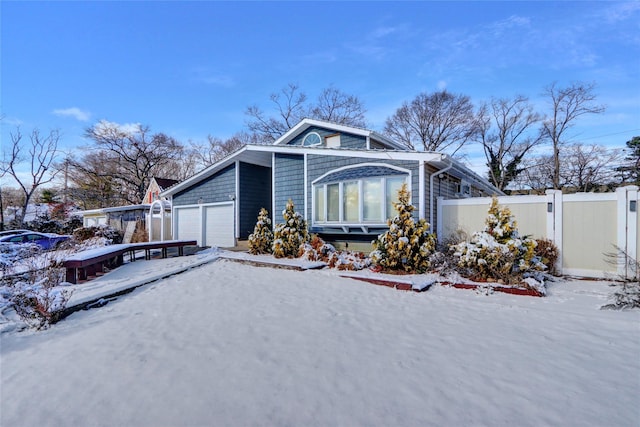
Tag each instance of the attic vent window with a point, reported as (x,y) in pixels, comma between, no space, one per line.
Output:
(312,138)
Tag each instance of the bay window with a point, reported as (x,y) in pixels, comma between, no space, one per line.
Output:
(333,202)
(352,197)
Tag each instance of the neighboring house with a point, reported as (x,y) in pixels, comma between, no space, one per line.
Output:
(117,216)
(157,186)
(159,215)
(342,179)
(150,213)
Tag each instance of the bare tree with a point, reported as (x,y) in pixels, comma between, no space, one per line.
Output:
(41,154)
(434,122)
(586,167)
(216,149)
(336,106)
(292,106)
(91,184)
(130,157)
(582,168)
(504,132)
(567,105)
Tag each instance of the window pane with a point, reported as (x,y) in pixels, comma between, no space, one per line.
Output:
(351,205)
(319,200)
(333,202)
(372,199)
(393,186)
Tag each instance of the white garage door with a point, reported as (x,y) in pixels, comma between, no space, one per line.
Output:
(219,226)
(188,223)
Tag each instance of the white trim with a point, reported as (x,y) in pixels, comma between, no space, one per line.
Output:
(431,199)
(439,229)
(236,206)
(320,138)
(205,173)
(554,222)
(144,206)
(273,188)
(419,156)
(307,123)
(305,181)
(340,222)
(360,165)
(338,152)
(632,224)
(421,188)
(201,207)
(511,200)
(347,152)
(627,229)
(621,229)
(152,216)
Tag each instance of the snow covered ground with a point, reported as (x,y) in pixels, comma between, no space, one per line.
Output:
(234,345)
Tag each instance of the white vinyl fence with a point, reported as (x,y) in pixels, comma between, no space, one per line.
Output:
(584,226)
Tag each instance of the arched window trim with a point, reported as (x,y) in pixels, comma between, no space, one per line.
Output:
(312,145)
(321,190)
(401,171)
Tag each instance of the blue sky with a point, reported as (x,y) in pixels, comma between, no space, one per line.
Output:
(190,69)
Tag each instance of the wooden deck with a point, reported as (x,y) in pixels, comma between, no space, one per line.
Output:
(92,262)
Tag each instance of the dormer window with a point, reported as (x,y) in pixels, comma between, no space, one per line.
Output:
(312,138)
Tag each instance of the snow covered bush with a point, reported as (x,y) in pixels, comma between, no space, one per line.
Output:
(627,294)
(112,235)
(261,240)
(318,250)
(348,260)
(39,302)
(407,244)
(498,253)
(288,236)
(548,253)
(31,283)
(54,224)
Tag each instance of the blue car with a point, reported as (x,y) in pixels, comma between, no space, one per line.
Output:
(45,240)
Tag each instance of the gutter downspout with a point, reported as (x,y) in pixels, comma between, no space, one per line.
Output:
(433,175)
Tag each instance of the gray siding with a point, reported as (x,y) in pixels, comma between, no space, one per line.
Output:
(319,165)
(346,140)
(255,193)
(375,145)
(216,188)
(289,183)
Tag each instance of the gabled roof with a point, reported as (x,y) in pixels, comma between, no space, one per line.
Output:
(125,208)
(262,155)
(307,123)
(165,183)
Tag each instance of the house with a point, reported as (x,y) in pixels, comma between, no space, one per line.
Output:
(157,186)
(159,215)
(122,218)
(342,179)
(154,213)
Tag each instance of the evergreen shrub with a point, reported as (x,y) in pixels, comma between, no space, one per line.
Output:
(261,240)
(408,244)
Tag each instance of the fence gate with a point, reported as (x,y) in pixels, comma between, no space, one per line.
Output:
(585,227)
